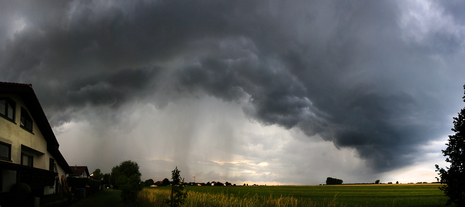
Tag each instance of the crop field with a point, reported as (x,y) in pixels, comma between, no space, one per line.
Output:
(336,195)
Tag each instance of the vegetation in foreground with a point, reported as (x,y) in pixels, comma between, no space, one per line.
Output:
(177,194)
(361,195)
(126,177)
(148,197)
(454,176)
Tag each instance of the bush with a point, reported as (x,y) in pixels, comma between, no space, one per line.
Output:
(24,197)
(129,188)
(93,185)
(24,189)
(126,177)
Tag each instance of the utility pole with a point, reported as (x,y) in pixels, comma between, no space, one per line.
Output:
(194,179)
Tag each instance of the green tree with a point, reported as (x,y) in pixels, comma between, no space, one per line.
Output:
(166,182)
(454,176)
(106,179)
(149,182)
(177,189)
(97,174)
(126,177)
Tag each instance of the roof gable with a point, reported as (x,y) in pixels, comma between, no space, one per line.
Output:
(79,170)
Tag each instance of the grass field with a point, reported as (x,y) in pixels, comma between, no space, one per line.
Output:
(339,195)
(335,196)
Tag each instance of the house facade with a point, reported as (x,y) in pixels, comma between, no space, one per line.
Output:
(28,147)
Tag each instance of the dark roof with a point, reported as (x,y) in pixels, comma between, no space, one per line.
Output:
(35,109)
(78,170)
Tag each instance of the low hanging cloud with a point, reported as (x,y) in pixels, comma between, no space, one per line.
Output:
(353,73)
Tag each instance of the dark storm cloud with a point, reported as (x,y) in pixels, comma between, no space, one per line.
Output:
(310,92)
(276,96)
(339,70)
(101,89)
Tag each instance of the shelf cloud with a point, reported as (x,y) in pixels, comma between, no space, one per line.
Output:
(374,81)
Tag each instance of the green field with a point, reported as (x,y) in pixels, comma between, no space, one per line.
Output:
(342,195)
(336,195)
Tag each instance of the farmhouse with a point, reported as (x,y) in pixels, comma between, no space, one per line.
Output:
(29,150)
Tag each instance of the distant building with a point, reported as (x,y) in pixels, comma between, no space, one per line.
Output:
(79,172)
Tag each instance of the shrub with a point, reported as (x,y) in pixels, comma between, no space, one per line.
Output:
(25,196)
(93,185)
(129,188)
(126,177)
(24,189)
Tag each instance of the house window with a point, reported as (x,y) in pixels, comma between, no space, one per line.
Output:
(26,121)
(5,151)
(51,166)
(7,108)
(27,160)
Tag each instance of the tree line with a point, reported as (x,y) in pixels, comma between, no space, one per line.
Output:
(126,177)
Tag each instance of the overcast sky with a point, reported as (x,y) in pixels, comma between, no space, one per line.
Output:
(275,92)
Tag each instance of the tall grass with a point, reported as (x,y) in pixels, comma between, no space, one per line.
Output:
(149,197)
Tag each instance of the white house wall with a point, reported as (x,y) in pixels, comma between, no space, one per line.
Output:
(13,134)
